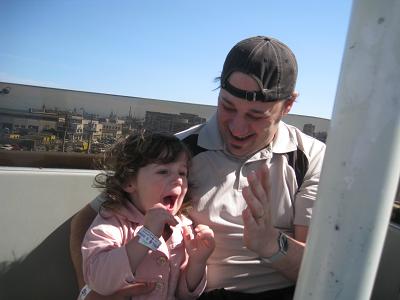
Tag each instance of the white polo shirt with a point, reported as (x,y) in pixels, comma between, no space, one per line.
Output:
(218,179)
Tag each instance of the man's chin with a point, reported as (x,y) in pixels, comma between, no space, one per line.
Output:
(237,151)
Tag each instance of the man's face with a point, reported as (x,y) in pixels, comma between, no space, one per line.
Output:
(246,126)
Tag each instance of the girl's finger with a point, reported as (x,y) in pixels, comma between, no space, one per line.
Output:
(187,232)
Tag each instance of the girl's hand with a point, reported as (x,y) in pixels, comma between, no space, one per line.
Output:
(200,245)
(135,289)
(156,218)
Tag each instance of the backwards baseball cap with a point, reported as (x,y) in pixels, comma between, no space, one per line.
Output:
(270,62)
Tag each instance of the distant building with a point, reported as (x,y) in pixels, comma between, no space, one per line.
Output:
(111,127)
(309,129)
(23,122)
(312,126)
(321,135)
(170,123)
(92,129)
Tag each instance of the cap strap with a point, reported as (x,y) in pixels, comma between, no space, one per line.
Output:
(249,96)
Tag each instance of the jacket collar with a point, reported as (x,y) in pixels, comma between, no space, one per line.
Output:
(131,213)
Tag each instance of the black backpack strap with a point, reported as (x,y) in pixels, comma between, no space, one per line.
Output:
(191,142)
(299,162)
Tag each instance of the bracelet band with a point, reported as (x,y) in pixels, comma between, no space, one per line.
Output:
(84,292)
(148,239)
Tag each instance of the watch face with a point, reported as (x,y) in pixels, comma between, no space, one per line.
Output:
(283,246)
(283,243)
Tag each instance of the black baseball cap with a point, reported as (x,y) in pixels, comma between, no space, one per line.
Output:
(269,61)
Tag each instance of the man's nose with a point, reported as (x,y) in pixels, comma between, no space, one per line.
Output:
(238,126)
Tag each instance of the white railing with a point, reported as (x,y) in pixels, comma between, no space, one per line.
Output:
(362,164)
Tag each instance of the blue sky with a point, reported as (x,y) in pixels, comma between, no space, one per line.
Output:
(170,50)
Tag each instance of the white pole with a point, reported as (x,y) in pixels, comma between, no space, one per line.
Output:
(362,164)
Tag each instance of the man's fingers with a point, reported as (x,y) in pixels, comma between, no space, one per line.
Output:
(253,203)
(255,183)
(263,174)
(264,195)
(248,219)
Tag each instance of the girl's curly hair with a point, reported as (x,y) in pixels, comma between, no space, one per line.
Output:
(123,161)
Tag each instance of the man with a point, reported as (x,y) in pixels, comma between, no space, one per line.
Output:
(254,178)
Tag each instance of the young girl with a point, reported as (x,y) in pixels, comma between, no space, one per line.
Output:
(139,234)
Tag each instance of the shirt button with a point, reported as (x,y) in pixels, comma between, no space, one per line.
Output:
(161,260)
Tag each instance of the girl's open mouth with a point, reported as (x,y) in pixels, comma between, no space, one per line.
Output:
(169,201)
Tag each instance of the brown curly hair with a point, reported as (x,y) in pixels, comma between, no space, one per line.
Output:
(128,155)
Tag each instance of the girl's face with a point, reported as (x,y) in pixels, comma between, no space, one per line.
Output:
(160,183)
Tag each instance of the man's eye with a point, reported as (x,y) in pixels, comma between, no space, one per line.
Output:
(228,108)
(253,117)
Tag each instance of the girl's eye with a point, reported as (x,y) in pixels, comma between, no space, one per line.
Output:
(183,174)
(163,171)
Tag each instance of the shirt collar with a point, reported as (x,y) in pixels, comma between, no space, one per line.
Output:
(130,212)
(134,215)
(284,141)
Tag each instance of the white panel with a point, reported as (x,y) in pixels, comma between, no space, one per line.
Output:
(34,202)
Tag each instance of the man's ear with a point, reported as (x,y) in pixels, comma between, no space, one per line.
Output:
(289,103)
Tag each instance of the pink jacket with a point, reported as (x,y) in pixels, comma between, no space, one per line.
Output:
(105,261)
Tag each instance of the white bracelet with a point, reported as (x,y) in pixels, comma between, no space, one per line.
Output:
(84,292)
(148,239)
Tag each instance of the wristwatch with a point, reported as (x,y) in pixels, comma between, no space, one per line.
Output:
(283,247)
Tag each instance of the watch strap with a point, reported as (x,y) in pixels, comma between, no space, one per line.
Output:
(282,249)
